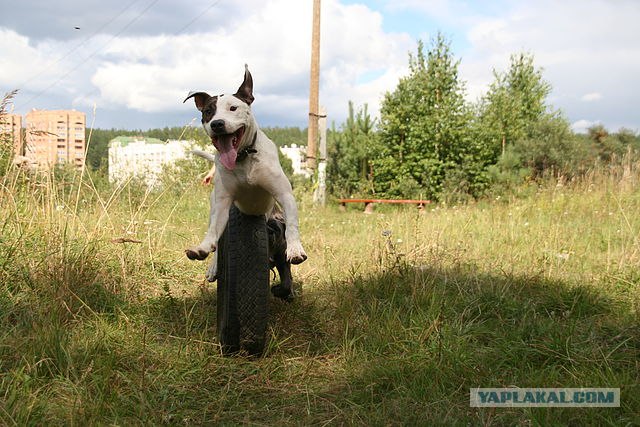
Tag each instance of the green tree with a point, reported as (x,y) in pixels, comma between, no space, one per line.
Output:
(350,151)
(425,135)
(628,138)
(550,148)
(282,136)
(515,103)
(610,147)
(528,138)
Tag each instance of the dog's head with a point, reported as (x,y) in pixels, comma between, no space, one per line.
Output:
(226,119)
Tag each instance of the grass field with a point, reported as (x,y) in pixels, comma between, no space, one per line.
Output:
(399,313)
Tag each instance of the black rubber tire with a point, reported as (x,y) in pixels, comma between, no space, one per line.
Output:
(243,284)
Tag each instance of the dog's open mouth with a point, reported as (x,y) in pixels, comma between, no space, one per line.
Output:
(227,146)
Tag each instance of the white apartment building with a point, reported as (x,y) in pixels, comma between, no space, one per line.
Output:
(297,154)
(144,158)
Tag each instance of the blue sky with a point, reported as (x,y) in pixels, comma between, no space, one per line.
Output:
(418,23)
(133,61)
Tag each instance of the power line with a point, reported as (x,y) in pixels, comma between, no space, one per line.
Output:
(180,31)
(215,3)
(76,47)
(94,53)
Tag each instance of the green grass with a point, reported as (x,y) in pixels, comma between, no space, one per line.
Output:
(399,313)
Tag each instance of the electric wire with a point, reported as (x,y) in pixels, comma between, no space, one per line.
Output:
(93,53)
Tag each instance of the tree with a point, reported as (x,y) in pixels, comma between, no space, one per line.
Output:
(608,146)
(350,153)
(425,129)
(550,148)
(286,135)
(627,137)
(515,103)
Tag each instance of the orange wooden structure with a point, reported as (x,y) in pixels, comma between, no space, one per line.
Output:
(368,203)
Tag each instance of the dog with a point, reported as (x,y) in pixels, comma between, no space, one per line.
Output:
(248,172)
(277,244)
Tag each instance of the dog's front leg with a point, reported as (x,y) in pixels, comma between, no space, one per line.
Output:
(295,251)
(218,219)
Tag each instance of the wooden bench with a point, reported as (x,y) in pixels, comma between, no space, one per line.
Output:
(368,203)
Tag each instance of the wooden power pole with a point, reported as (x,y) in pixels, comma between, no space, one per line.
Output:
(312,141)
(319,197)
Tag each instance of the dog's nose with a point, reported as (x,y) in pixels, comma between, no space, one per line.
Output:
(217,125)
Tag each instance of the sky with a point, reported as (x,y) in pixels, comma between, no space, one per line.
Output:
(129,64)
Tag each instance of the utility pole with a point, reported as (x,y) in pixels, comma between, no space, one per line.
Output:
(319,196)
(314,89)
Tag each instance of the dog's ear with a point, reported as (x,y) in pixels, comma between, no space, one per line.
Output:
(201,98)
(245,91)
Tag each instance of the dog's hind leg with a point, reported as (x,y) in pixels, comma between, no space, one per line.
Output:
(278,258)
(295,251)
(283,290)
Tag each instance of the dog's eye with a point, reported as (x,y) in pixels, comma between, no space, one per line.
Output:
(233,108)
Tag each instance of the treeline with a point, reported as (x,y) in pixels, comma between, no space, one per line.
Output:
(431,143)
(98,146)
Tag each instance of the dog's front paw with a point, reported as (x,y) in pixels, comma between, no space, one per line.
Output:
(196,253)
(295,253)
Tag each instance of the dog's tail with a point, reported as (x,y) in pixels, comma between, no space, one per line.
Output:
(204,155)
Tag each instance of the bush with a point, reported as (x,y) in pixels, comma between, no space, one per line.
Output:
(552,149)
(349,169)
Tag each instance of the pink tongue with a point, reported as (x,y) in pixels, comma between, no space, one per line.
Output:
(227,152)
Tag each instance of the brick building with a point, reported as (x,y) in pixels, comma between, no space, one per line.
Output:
(55,137)
(11,128)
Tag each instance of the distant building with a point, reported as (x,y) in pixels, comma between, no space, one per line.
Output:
(297,155)
(11,128)
(143,158)
(55,137)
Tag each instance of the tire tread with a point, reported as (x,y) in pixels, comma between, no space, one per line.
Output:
(243,284)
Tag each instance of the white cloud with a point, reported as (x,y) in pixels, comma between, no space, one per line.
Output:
(581,126)
(578,44)
(432,7)
(13,44)
(20,61)
(591,96)
(581,45)
(153,73)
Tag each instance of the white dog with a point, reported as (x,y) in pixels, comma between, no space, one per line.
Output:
(248,172)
